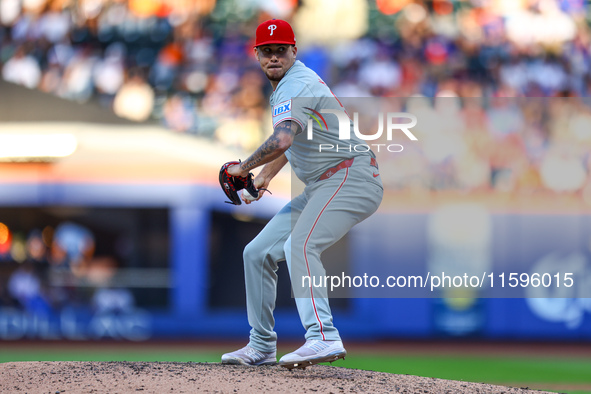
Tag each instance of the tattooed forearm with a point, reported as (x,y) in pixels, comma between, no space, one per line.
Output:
(273,147)
(264,151)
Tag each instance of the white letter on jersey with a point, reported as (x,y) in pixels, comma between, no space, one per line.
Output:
(272,28)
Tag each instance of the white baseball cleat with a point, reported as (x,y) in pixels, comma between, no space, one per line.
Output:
(249,356)
(314,351)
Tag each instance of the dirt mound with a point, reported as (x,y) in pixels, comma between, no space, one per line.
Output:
(166,377)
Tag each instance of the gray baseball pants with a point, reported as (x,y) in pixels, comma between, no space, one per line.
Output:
(298,234)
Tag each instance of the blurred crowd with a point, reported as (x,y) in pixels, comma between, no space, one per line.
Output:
(34,262)
(528,146)
(189,64)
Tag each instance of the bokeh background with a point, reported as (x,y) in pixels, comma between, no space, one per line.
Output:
(116,115)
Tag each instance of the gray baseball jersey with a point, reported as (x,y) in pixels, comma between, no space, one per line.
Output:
(343,187)
(302,96)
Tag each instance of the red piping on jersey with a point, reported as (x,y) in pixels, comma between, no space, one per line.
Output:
(283,120)
(306,254)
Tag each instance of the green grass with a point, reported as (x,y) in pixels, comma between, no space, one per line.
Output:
(552,374)
(534,372)
(479,369)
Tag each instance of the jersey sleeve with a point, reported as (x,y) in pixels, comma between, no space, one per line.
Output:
(285,109)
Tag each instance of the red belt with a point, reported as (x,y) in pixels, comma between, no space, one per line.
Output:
(344,164)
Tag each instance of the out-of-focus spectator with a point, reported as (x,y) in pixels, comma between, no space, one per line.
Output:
(543,23)
(55,23)
(10,10)
(350,88)
(51,80)
(73,246)
(36,248)
(382,75)
(562,171)
(135,100)
(248,94)
(107,299)
(109,72)
(164,71)
(77,83)
(179,114)
(24,285)
(22,69)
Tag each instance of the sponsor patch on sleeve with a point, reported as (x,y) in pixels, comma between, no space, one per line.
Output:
(282,108)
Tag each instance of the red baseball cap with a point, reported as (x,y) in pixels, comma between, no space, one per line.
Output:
(274,31)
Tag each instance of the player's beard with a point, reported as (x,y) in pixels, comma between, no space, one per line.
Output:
(274,77)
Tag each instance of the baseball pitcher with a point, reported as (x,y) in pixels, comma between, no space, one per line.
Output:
(342,188)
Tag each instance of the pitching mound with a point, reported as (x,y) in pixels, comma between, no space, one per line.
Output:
(157,377)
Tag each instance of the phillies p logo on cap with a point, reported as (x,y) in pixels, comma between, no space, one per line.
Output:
(274,31)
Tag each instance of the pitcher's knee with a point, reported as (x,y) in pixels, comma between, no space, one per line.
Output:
(260,253)
(294,251)
(253,254)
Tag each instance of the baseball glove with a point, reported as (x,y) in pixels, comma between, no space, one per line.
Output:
(232,184)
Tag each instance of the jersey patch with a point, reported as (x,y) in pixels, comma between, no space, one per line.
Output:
(282,108)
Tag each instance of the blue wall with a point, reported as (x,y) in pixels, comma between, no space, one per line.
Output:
(517,242)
